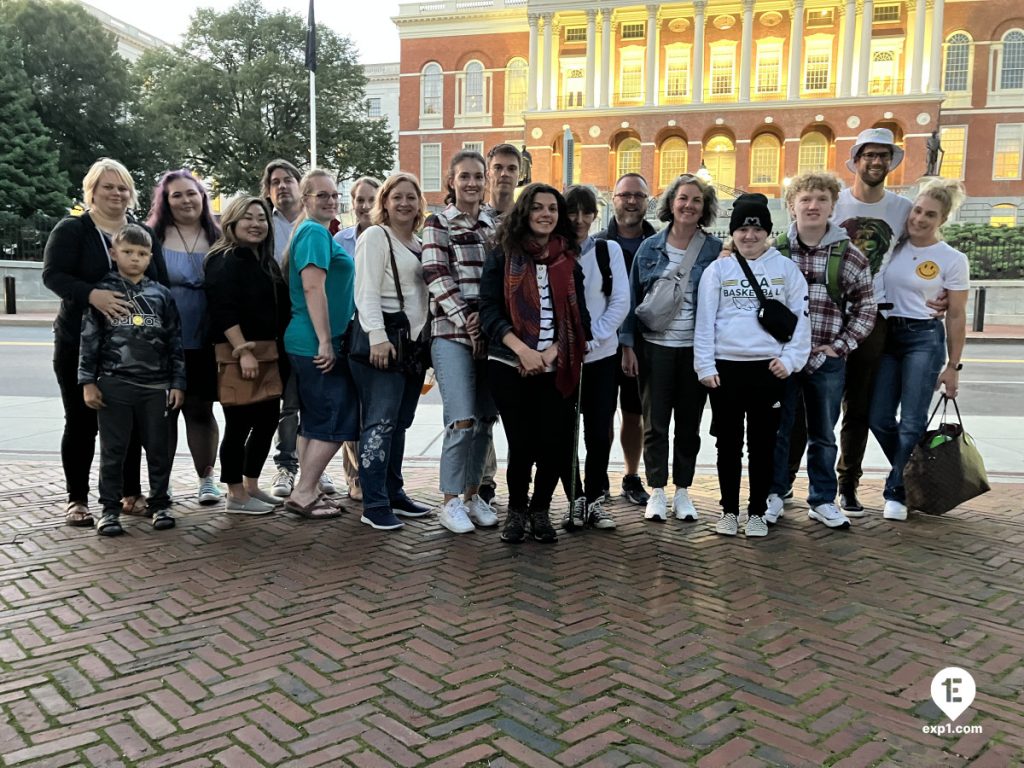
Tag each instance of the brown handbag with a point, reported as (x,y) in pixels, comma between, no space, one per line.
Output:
(232,389)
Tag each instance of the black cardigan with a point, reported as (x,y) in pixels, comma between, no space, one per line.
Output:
(240,292)
(74,260)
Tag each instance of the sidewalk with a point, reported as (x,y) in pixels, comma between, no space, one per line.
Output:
(239,642)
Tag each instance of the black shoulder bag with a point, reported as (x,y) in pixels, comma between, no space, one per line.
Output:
(774,316)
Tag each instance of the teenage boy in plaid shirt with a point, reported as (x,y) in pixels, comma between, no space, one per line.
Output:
(836,330)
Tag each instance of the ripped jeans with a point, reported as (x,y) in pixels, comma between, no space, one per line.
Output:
(387,402)
(466,397)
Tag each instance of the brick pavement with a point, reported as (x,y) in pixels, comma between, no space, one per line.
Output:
(276,641)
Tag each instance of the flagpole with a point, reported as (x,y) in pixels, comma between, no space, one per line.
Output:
(312,119)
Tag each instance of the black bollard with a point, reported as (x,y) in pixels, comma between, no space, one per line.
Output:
(979,311)
(10,297)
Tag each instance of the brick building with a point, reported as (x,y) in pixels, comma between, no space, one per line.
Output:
(780,87)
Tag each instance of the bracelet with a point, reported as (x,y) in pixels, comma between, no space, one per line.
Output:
(246,347)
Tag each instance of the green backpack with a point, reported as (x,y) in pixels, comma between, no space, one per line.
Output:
(835,263)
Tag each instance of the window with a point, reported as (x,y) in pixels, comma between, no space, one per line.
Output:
(373,108)
(958,62)
(574,84)
(677,72)
(813,153)
(673,160)
(1003,215)
(764,160)
(474,146)
(575,34)
(884,75)
(817,64)
(516,78)
(430,167)
(631,75)
(769,67)
(954,146)
(633,31)
(473,90)
(431,89)
(885,14)
(628,157)
(821,17)
(723,65)
(1011,74)
(1009,147)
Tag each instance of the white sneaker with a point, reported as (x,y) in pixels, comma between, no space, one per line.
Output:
(599,518)
(728,524)
(682,507)
(481,513)
(774,509)
(327,485)
(830,515)
(756,526)
(208,492)
(894,510)
(284,483)
(454,517)
(657,506)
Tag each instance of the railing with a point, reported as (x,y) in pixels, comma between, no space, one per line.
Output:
(24,240)
(448,6)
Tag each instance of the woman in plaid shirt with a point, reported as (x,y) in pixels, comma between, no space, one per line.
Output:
(454,246)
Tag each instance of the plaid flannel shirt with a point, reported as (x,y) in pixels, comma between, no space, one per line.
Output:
(454,249)
(843,331)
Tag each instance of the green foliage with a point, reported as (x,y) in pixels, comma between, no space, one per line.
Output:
(30,178)
(995,253)
(236,95)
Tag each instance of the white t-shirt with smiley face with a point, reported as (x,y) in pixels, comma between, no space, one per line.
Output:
(916,275)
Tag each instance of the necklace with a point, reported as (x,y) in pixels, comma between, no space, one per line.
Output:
(184,242)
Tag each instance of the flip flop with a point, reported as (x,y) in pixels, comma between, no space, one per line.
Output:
(319,509)
(77,515)
(335,503)
(135,505)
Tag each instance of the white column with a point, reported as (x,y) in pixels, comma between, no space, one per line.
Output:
(652,55)
(938,37)
(588,96)
(746,49)
(699,7)
(545,83)
(849,30)
(864,67)
(606,57)
(531,85)
(796,49)
(917,63)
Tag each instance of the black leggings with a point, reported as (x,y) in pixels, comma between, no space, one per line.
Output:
(248,433)
(600,385)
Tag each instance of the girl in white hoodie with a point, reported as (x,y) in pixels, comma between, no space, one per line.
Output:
(741,363)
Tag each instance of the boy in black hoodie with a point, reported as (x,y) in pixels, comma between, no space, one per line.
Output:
(133,369)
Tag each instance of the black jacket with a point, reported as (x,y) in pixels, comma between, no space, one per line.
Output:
(74,261)
(239,291)
(144,348)
(612,233)
(494,317)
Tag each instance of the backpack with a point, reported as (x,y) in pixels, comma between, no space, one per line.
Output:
(835,261)
(604,264)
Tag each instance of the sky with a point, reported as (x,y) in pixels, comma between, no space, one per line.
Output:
(367,23)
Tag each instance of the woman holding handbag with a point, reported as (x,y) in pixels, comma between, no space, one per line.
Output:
(657,345)
(386,348)
(248,309)
(917,343)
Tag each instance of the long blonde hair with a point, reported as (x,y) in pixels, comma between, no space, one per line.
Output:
(379,214)
(948,193)
(305,189)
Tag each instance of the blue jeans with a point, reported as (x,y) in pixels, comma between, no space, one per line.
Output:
(287,457)
(915,351)
(387,401)
(823,393)
(465,397)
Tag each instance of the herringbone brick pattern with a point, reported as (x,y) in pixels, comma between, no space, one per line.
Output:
(283,642)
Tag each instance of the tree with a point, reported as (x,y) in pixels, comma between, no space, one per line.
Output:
(31,180)
(236,95)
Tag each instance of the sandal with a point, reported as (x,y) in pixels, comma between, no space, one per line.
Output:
(77,515)
(162,520)
(318,509)
(335,503)
(109,525)
(135,506)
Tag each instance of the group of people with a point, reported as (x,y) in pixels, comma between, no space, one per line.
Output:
(524,315)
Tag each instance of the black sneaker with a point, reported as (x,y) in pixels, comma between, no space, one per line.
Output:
(487,493)
(849,502)
(540,525)
(515,526)
(633,490)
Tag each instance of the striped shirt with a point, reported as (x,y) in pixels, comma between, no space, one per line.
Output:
(680,331)
(454,248)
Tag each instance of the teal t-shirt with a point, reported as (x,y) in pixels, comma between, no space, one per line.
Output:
(312,245)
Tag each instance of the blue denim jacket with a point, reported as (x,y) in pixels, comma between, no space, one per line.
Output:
(649,264)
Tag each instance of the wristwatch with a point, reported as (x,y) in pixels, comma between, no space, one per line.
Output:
(958,367)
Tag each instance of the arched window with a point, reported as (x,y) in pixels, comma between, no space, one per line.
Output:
(431,90)
(628,160)
(473,92)
(1003,215)
(764,160)
(1011,74)
(813,152)
(673,160)
(516,78)
(958,63)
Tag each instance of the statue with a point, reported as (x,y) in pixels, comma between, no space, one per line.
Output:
(935,153)
(526,172)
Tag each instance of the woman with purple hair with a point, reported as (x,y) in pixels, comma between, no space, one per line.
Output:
(181,219)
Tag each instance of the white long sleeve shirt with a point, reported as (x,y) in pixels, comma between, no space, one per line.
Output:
(375,284)
(727,327)
(606,312)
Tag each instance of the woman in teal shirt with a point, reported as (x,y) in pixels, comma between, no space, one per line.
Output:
(321,280)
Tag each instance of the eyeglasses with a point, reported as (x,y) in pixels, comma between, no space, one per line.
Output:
(325,196)
(885,157)
(631,195)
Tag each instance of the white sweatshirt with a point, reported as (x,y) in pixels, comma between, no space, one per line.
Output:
(606,312)
(727,325)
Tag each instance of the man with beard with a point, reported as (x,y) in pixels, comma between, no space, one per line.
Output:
(629,227)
